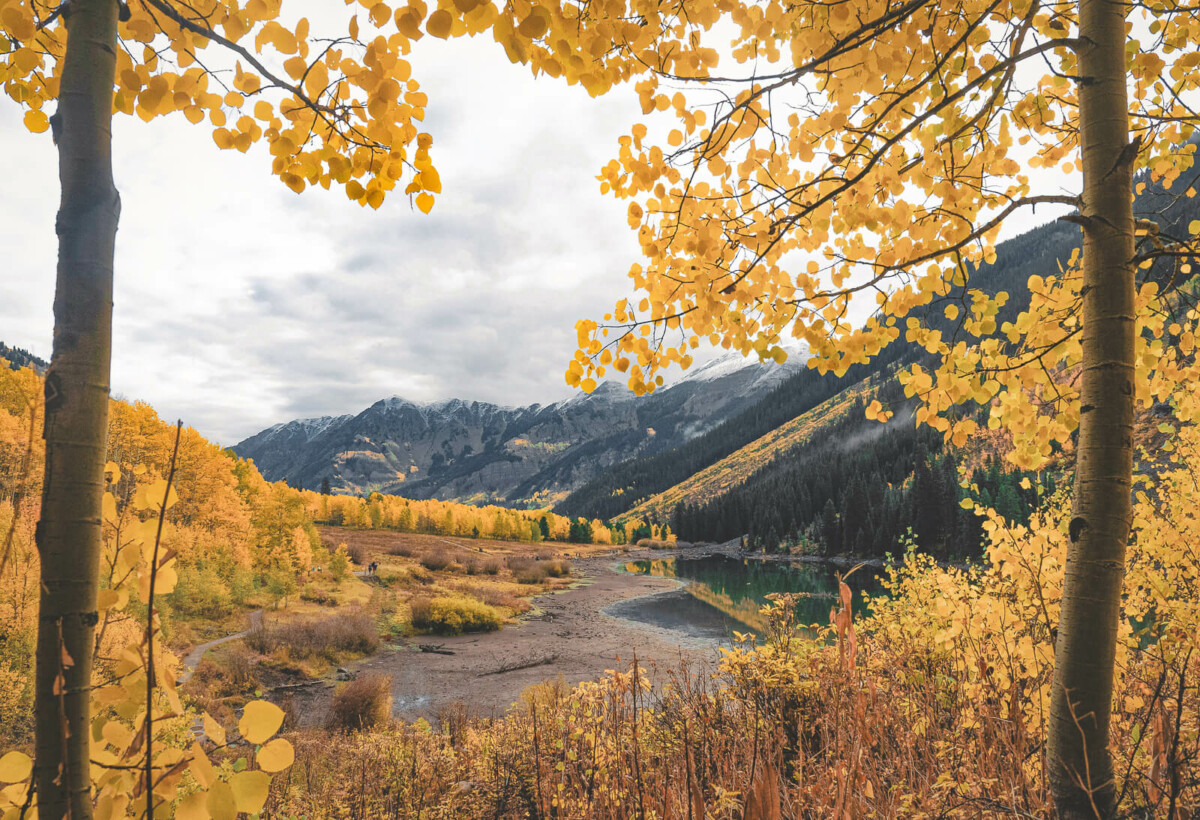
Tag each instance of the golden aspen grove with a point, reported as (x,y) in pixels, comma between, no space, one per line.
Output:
(830,172)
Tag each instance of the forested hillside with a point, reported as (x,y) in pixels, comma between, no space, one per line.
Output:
(18,358)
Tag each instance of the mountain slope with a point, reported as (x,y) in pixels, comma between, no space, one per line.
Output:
(734,469)
(476,451)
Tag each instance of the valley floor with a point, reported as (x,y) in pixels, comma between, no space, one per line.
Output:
(567,635)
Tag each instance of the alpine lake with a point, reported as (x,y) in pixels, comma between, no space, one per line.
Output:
(720,595)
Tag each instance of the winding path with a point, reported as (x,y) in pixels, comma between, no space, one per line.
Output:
(192,659)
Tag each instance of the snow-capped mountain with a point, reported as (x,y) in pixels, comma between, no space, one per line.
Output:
(485,452)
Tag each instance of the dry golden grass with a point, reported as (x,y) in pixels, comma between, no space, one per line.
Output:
(378,543)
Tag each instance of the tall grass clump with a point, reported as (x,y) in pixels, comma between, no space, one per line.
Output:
(363,703)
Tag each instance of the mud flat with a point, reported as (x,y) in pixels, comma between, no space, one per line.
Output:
(569,634)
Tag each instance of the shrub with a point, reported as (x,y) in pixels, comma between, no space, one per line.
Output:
(357,553)
(401,549)
(420,611)
(200,591)
(420,575)
(557,568)
(363,703)
(239,665)
(526,570)
(280,585)
(492,566)
(471,565)
(656,544)
(448,615)
(435,561)
(516,563)
(350,632)
(339,563)
(241,585)
(316,595)
(533,575)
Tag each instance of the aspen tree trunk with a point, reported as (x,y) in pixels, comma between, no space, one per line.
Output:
(76,419)
(1081,771)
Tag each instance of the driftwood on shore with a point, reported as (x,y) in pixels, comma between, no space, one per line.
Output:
(527,663)
(436,649)
(301,685)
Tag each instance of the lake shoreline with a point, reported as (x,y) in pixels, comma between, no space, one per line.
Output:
(569,634)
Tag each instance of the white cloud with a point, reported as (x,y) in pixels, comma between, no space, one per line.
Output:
(239,304)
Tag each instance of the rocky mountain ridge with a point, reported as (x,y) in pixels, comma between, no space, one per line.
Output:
(483,452)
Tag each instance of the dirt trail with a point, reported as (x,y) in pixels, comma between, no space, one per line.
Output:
(569,636)
(192,659)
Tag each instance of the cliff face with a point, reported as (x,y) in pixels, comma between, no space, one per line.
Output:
(475,451)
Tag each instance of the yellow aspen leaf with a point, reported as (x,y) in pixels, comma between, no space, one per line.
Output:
(276,755)
(536,24)
(431,181)
(425,202)
(379,13)
(295,67)
(108,509)
(221,803)
(107,599)
(408,23)
(150,496)
(193,807)
(260,720)
(250,790)
(165,580)
(439,24)
(36,121)
(213,729)
(15,767)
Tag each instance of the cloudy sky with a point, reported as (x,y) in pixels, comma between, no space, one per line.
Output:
(240,304)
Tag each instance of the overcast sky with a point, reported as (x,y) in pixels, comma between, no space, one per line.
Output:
(240,304)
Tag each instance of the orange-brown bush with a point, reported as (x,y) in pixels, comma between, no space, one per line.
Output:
(435,561)
(557,568)
(526,570)
(363,703)
(349,632)
(357,552)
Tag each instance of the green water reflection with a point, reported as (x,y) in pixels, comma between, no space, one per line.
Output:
(738,588)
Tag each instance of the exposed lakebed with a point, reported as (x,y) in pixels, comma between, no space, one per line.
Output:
(721,594)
